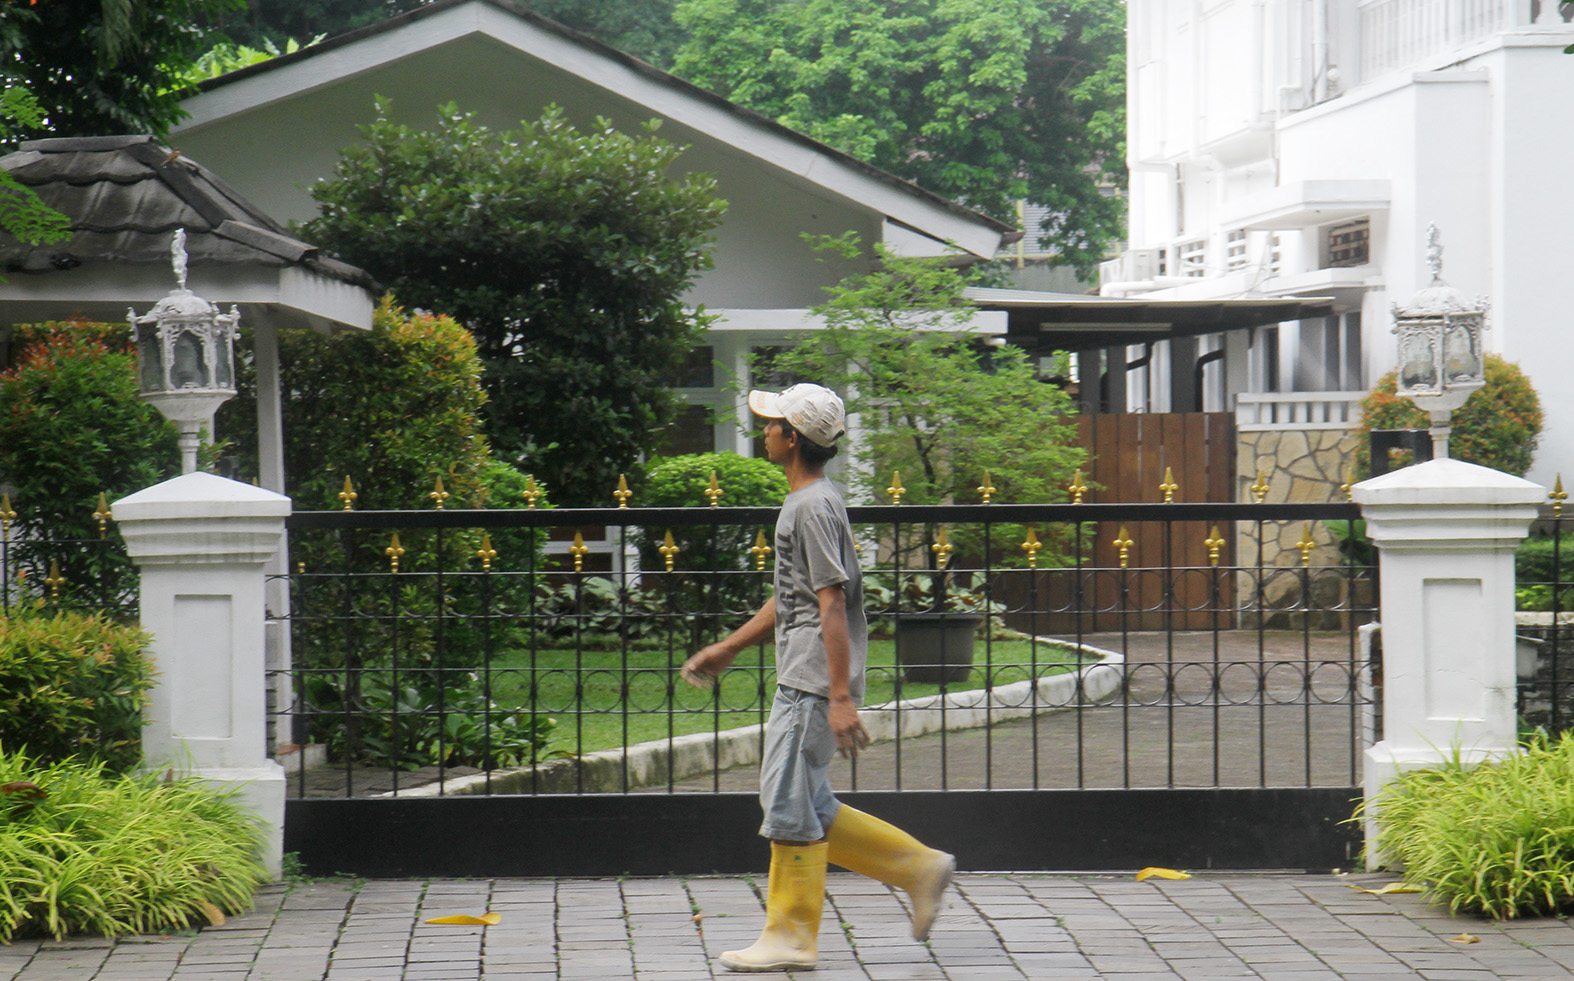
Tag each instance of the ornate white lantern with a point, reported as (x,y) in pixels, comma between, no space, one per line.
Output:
(1440,357)
(186,357)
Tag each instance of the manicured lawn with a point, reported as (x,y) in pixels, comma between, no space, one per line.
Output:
(586,692)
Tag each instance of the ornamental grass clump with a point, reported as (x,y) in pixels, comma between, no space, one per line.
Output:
(1494,838)
(82,851)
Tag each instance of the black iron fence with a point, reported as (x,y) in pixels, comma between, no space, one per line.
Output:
(1014,646)
(41,570)
(1544,601)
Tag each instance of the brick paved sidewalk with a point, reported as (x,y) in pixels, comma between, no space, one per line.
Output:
(995,926)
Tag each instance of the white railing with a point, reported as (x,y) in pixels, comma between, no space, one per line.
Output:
(1398,33)
(1297,410)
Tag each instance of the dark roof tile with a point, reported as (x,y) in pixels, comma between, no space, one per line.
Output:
(126,195)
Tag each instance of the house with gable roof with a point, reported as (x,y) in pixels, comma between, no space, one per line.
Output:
(274,128)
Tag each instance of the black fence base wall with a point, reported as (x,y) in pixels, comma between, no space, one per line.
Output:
(695,834)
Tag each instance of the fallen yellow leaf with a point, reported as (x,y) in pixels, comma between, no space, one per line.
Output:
(213,913)
(1388,890)
(1465,938)
(1153,872)
(485,919)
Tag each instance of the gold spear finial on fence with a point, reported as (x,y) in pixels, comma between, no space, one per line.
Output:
(1031,547)
(714,491)
(1348,487)
(438,495)
(1123,542)
(896,490)
(1306,545)
(668,550)
(759,551)
(1557,494)
(1260,488)
(531,492)
(623,493)
(486,553)
(6,516)
(1077,488)
(986,490)
(54,581)
(102,516)
(942,549)
(579,550)
(1169,487)
(395,552)
(348,495)
(1215,543)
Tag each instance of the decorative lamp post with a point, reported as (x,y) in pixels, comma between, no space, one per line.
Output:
(1440,358)
(186,357)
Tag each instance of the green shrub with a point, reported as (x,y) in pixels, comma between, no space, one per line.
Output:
(72,427)
(1497,427)
(681,481)
(83,852)
(73,685)
(395,409)
(1496,838)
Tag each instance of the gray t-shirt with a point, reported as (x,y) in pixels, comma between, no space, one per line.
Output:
(814,549)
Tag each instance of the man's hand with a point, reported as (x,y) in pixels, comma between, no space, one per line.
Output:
(706,666)
(851,736)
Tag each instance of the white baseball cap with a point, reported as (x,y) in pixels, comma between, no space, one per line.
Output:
(813,410)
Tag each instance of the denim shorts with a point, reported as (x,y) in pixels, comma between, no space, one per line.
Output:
(795,787)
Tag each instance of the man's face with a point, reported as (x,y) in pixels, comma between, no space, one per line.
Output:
(778,448)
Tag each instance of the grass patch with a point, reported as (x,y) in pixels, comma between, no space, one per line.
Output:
(586,692)
(1495,838)
(85,852)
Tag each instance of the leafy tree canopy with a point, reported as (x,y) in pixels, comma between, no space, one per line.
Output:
(933,399)
(23,215)
(564,253)
(101,67)
(643,28)
(984,101)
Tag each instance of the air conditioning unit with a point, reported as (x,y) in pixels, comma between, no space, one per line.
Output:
(1141,264)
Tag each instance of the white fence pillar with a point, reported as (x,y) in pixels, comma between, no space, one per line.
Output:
(1447,531)
(201,543)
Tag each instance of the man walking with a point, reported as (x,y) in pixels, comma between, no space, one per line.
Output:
(822,637)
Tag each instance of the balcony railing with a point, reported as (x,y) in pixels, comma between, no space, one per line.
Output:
(1297,410)
(1396,34)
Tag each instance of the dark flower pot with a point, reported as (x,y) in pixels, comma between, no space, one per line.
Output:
(936,648)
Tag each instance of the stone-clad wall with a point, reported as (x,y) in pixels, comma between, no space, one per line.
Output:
(1303,466)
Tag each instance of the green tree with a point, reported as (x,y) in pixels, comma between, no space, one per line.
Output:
(103,66)
(566,254)
(984,101)
(934,400)
(23,215)
(72,427)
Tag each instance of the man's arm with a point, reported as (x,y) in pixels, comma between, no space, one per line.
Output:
(710,661)
(845,724)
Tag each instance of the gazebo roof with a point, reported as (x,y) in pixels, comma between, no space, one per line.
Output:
(126,196)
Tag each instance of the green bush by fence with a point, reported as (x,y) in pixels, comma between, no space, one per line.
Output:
(82,851)
(1495,838)
(73,685)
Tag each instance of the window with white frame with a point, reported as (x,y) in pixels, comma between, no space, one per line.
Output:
(1348,244)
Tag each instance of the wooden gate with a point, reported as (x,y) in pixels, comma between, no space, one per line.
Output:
(1172,583)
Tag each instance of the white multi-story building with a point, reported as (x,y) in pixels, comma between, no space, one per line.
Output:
(1300,148)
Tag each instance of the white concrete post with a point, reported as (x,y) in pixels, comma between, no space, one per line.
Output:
(1447,531)
(201,543)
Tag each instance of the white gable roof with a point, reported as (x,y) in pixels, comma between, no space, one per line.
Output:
(483,42)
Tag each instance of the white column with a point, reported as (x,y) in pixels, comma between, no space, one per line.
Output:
(201,543)
(1447,531)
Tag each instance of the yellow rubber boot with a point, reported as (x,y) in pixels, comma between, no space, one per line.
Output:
(794,899)
(869,846)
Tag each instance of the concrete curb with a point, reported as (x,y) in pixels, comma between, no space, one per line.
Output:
(654,763)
